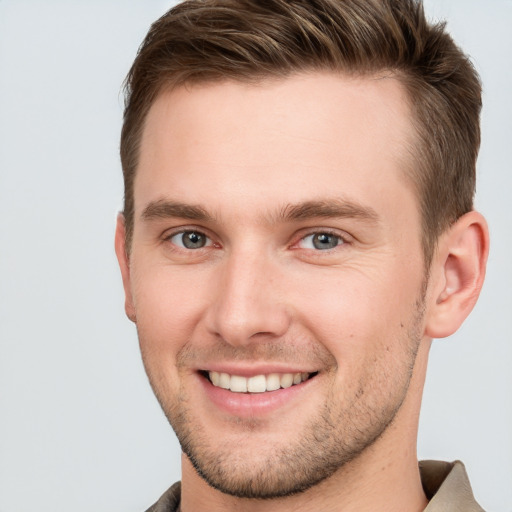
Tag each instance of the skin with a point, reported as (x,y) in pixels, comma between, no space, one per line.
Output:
(259,171)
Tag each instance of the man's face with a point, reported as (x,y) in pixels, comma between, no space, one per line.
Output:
(276,273)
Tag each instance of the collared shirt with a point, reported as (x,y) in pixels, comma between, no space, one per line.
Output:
(446,486)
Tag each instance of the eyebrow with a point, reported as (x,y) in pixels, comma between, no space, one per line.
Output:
(163,209)
(333,208)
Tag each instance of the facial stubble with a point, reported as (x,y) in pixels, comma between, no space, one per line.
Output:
(328,442)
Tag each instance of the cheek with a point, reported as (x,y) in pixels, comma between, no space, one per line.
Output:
(167,310)
(355,313)
(168,306)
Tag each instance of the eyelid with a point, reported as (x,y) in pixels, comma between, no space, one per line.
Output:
(299,237)
(344,237)
(207,240)
(172,232)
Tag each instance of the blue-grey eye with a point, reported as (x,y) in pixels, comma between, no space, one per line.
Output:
(321,241)
(190,240)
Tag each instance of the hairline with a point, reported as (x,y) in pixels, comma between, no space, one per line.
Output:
(413,146)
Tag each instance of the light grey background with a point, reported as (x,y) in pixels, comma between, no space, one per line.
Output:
(79,427)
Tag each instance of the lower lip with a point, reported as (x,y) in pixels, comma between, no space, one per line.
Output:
(250,405)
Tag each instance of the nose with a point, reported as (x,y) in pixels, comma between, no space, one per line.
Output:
(248,303)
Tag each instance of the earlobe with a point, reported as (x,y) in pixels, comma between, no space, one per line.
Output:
(124,265)
(457,274)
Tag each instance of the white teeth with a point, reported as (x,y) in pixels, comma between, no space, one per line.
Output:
(224,380)
(238,384)
(257,383)
(215,378)
(273,382)
(286,380)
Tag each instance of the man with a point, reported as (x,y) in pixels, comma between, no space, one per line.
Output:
(298,225)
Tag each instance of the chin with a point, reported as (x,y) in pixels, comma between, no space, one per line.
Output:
(252,464)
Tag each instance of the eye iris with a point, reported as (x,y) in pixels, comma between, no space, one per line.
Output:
(325,241)
(193,240)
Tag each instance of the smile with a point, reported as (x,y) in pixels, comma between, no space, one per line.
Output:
(257,383)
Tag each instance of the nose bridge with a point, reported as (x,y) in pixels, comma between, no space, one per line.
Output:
(248,301)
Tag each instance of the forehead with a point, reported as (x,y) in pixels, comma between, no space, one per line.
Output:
(313,134)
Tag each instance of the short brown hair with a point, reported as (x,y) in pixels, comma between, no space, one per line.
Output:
(250,40)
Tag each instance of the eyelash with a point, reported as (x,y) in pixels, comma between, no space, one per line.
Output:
(341,240)
(208,242)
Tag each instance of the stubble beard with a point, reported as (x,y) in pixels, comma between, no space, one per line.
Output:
(327,444)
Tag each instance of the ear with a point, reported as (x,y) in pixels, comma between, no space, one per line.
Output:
(457,274)
(124,265)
